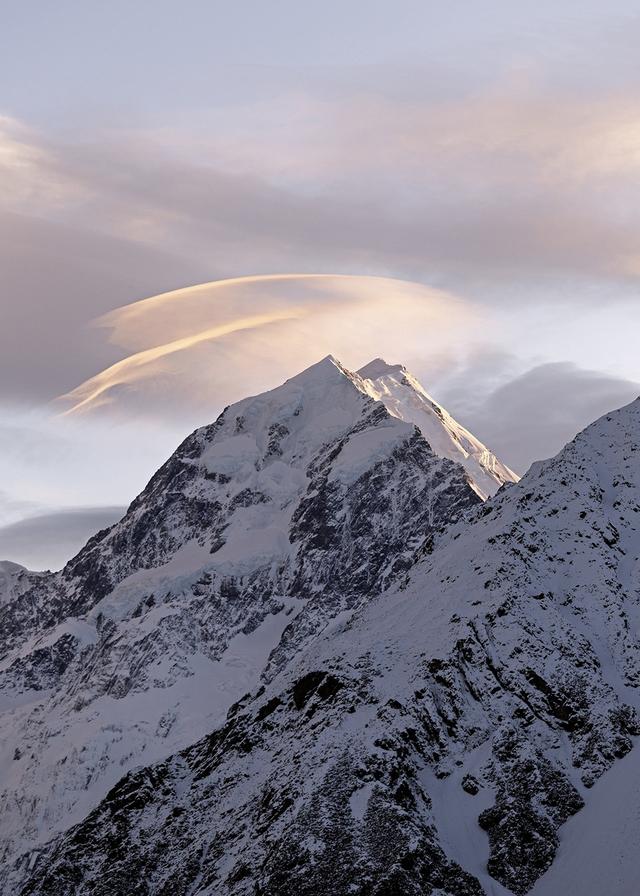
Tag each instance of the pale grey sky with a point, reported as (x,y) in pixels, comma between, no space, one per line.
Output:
(490,151)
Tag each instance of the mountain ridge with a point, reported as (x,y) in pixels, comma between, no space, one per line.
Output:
(404,397)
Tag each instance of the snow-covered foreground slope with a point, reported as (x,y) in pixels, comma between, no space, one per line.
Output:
(404,397)
(289,510)
(432,741)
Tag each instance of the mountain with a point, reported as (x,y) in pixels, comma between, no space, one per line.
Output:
(432,741)
(14,579)
(263,530)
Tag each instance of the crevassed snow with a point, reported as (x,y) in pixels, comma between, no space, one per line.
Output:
(231,457)
(362,450)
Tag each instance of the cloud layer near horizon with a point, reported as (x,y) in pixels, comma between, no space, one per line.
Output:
(532,416)
(49,540)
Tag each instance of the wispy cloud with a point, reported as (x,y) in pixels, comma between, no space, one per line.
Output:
(141,365)
(512,191)
(516,180)
(248,334)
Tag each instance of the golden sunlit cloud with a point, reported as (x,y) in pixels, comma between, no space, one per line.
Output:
(136,366)
(197,348)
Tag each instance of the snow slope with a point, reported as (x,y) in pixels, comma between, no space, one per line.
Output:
(14,579)
(432,740)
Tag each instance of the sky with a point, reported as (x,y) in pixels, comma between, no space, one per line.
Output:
(461,180)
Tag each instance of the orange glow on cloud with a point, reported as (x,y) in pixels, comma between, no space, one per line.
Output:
(140,364)
(206,345)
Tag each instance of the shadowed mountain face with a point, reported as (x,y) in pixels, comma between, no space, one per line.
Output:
(329,666)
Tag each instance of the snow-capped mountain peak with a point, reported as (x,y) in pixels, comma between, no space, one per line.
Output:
(405,397)
(326,367)
(291,509)
(13,577)
(379,368)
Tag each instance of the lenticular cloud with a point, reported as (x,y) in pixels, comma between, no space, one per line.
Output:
(189,350)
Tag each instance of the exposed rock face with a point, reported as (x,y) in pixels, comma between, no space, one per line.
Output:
(288,511)
(14,580)
(446,727)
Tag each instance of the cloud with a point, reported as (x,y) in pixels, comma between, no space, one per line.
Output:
(533,415)
(49,462)
(48,540)
(144,365)
(55,279)
(13,509)
(512,193)
(466,191)
(209,345)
